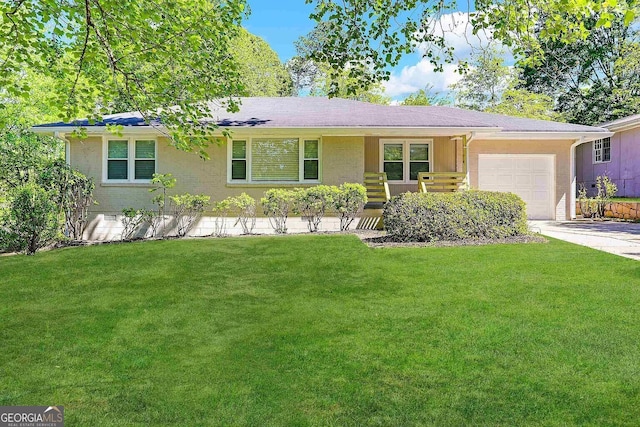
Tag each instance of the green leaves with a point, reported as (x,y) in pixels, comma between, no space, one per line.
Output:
(164,59)
(366,37)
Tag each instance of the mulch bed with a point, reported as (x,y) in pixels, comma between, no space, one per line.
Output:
(379,239)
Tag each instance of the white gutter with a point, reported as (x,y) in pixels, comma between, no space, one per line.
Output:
(328,131)
(589,136)
(573,178)
(466,148)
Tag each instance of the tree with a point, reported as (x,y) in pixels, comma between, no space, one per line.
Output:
(482,85)
(592,80)
(377,33)
(520,102)
(492,87)
(166,59)
(330,84)
(320,79)
(425,97)
(261,72)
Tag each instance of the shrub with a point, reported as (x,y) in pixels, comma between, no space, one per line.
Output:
(30,221)
(606,190)
(348,201)
(187,209)
(588,206)
(131,221)
(245,207)
(277,203)
(221,210)
(596,206)
(73,193)
(313,202)
(425,217)
(163,182)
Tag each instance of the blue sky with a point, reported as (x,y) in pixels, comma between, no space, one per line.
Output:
(282,22)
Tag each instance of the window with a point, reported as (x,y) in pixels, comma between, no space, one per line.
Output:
(602,150)
(130,160)
(239,160)
(311,160)
(402,160)
(262,160)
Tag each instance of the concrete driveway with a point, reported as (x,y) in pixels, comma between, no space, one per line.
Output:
(619,238)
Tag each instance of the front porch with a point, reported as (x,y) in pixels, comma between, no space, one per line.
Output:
(436,163)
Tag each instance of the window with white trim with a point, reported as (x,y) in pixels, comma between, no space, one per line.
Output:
(402,160)
(129,159)
(266,160)
(602,150)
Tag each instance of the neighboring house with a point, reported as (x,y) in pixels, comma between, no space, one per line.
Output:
(294,142)
(617,156)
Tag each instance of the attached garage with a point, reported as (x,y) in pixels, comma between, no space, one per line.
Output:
(530,176)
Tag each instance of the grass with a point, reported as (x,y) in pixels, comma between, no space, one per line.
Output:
(321,330)
(626,199)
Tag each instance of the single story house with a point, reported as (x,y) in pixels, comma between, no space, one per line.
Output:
(617,156)
(294,142)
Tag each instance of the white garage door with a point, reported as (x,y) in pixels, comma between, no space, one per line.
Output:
(529,176)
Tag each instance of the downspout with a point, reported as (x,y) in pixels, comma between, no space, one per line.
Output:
(574,187)
(67,146)
(467,142)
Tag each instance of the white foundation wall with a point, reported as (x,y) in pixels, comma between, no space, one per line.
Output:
(109,227)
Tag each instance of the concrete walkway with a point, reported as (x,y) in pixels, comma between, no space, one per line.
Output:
(619,238)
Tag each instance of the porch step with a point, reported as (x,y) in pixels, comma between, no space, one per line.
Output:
(370,219)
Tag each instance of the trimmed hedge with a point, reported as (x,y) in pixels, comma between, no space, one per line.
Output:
(427,217)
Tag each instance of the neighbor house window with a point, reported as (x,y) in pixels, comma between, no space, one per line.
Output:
(402,160)
(130,160)
(602,150)
(263,160)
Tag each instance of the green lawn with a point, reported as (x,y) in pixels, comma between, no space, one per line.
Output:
(321,330)
(626,199)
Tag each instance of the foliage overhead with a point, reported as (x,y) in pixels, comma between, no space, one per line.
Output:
(367,37)
(166,60)
(591,80)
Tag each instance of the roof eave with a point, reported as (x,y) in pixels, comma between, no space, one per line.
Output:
(328,130)
(535,135)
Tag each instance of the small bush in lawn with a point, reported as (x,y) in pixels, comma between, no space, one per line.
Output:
(245,207)
(277,204)
(425,217)
(187,209)
(31,220)
(348,201)
(313,202)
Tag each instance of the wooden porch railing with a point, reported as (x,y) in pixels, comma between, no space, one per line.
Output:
(442,182)
(377,187)
(377,195)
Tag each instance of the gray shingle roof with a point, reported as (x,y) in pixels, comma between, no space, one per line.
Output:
(628,121)
(316,112)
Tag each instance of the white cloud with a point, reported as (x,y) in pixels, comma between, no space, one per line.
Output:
(458,33)
(416,77)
